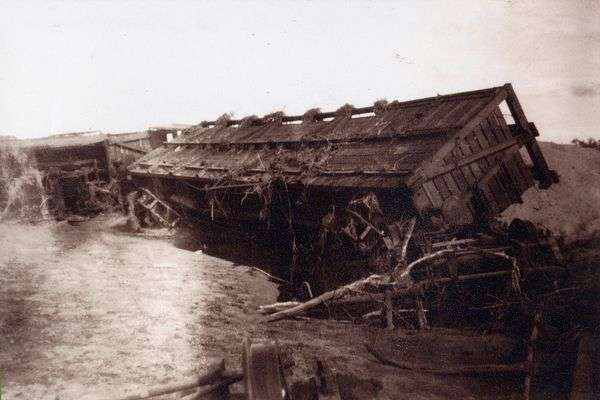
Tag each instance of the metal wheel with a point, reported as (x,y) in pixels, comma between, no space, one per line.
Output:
(263,375)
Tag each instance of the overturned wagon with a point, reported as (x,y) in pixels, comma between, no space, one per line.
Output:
(347,186)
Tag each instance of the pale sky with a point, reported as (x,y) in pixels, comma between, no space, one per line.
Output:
(122,66)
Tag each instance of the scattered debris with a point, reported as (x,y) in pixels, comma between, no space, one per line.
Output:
(216,379)
(80,173)
(386,213)
(349,190)
(263,376)
(389,212)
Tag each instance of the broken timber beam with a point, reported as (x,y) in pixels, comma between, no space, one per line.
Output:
(543,172)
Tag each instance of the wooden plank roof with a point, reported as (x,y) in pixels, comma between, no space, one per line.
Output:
(377,146)
(440,113)
(62,141)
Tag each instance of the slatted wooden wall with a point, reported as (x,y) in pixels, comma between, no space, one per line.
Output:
(485,163)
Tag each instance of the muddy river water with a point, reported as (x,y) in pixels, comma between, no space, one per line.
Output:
(89,310)
(92,312)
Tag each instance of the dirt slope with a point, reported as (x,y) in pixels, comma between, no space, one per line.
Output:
(570,208)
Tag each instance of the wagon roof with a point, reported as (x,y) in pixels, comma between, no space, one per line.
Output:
(433,114)
(378,146)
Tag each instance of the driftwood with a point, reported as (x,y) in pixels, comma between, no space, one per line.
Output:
(442,253)
(358,286)
(455,370)
(228,378)
(338,296)
(423,259)
(407,236)
(268,275)
(276,307)
(403,249)
(342,295)
(382,281)
(215,373)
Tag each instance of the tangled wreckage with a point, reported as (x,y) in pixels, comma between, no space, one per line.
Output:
(389,211)
(70,175)
(342,190)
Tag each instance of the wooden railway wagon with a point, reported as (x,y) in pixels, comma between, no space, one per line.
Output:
(69,163)
(69,151)
(449,161)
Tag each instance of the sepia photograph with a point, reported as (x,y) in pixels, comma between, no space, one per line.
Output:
(299,200)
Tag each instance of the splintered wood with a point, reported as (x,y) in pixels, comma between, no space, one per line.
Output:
(361,286)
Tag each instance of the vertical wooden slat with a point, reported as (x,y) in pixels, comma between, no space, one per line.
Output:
(481,138)
(502,123)
(449,159)
(489,199)
(457,152)
(475,148)
(496,129)
(483,165)
(442,188)
(499,193)
(460,180)
(468,174)
(467,145)
(525,172)
(473,143)
(516,174)
(489,131)
(510,186)
(452,186)
(477,172)
(433,194)
(535,153)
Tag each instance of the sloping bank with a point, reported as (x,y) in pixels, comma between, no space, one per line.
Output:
(570,208)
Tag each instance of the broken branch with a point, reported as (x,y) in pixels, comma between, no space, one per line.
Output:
(358,286)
